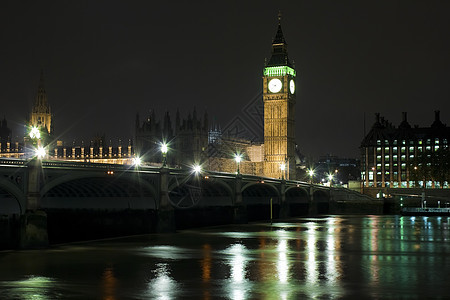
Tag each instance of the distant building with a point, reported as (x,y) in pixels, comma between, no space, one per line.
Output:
(187,140)
(5,136)
(41,116)
(405,156)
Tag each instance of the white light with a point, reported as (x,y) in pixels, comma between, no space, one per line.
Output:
(164,148)
(40,152)
(237,158)
(311,173)
(137,161)
(282,167)
(197,169)
(35,133)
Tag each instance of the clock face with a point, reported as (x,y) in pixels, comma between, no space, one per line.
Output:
(275,85)
(292,86)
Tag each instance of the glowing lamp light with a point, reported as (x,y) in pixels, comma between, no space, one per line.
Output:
(311,172)
(40,152)
(35,133)
(164,148)
(283,167)
(330,177)
(237,158)
(137,161)
(197,169)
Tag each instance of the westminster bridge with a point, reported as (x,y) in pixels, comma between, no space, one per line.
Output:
(54,197)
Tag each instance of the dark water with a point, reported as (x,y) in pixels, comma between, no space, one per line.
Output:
(334,257)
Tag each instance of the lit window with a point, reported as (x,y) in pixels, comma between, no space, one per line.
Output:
(428,148)
(420,142)
(436,148)
(436,141)
(403,142)
(386,149)
(395,142)
(411,149)
(378,142)
(411,156)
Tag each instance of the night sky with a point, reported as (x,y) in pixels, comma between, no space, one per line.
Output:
(105,61)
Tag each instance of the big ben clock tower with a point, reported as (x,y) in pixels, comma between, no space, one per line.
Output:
(279,90)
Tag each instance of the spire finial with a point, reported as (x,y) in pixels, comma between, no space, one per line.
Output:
(279,17)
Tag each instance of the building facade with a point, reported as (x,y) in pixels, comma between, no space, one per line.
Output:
(187,140)
(41,115)
(406,156)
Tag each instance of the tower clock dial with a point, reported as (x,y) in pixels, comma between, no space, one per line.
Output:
(292,86)
(275,85)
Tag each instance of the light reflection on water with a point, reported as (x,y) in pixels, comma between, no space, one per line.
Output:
(331,258)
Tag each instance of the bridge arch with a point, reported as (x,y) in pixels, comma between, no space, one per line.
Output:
(13,195)
(200,191)
(98,192)
(321,201)
(298,200)
(257,197)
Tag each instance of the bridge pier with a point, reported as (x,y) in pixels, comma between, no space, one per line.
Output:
(312,207)
(239,207)
(284,206)
(33,224)
(165,213)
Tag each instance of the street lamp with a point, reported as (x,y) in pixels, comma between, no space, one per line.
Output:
(137,161)
(311,175)
(238,159)
(164,148)
(196,169)
(330,178)
(282,168)
(35,134)
(40,152)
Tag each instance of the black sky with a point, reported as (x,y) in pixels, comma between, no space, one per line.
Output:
(104,61)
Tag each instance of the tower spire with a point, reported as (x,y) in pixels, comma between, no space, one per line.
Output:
(279,48)
(41,115)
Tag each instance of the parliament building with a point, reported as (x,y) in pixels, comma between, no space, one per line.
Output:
(191,139)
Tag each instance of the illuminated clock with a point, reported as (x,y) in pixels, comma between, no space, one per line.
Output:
(275,85)
(292,86)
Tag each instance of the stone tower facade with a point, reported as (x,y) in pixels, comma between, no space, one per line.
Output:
(41,115)
(279,91)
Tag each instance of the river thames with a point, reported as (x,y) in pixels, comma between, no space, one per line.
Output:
(329,257)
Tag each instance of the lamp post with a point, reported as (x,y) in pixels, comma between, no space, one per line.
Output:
(35,135)
(330,178)
(238,159)
(196,169)
(311,175)
(164,150)
(282,168)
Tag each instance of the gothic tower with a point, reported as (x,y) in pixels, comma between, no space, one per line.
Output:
(279,111)
(40,114)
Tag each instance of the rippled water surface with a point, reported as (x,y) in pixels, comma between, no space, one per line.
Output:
(333,257)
